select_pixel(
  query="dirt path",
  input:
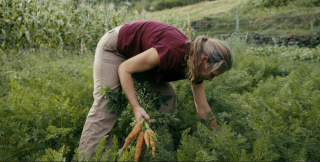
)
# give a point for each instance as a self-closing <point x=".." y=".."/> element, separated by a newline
<point x="192" y="12"/>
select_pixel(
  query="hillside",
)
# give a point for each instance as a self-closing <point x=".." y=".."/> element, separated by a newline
<point x="297" y="23"/>
<point x="191" y="12"/>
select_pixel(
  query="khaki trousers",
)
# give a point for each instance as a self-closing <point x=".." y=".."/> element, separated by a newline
<point x="105" y="72"/>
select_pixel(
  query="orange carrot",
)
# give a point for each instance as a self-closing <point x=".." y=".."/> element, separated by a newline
<point x="152" y="142"/>
<point x="146" y="138"/>
<point x="139" y="146"/>
<point x="135" y="131"/>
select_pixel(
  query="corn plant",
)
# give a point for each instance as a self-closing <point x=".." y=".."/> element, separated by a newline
<point x="55" y="24"/>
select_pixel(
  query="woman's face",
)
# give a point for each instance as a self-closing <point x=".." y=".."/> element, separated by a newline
<point x="208" y="73"/>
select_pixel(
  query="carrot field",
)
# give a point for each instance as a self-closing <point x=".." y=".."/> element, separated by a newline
<point x="267" y="106"/>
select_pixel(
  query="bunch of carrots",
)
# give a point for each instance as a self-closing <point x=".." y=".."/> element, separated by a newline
<point x="143" y="136"/>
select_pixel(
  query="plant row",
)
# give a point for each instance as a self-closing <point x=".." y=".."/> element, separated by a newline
<point x="55" y="24"/>
<point x="267" y="108"/>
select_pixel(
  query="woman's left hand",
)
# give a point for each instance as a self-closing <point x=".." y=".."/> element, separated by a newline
<point x="140" y="113"/>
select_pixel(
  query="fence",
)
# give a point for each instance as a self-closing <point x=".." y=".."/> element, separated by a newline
<point x="286" y="29"/>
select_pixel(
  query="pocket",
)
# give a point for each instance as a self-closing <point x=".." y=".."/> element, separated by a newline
<point x="110" y="44"/>
<point x="110" y="31"/>
<point x="108" y="38"/>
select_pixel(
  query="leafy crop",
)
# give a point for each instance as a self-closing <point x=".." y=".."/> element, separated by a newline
<point x="267" y="108"/>
<point x="38" y="112"/>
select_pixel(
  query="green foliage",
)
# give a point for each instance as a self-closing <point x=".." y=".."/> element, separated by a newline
<point x="102" y="153"/>
<point x="118" y="101"/>
<point x="45" y="105"/>
<point x="151" y="5"/>
<point x="163" y="143"/>
<point x="266" y="106"/>
<point x="55" y="24"/>
<point x="290" y="53"/>
<point x="268" y="17"/>
<point x="279" y="3"/>
<point x="167" y="4"/>
<point x="282" y="94"/>
<point x="268" y="3"/>
<point x="128" y="154"/>
<point x="52" y="155"/>
<point x="211" y="146"/>
<point x="263" y="149"/>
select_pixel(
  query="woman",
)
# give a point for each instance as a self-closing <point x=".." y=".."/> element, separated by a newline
<point x="155" y="52"/>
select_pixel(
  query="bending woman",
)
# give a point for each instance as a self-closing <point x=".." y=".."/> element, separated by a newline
<point x="150" y="51"/>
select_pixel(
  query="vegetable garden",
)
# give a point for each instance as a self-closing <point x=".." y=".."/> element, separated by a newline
<point x="267" y="106"/>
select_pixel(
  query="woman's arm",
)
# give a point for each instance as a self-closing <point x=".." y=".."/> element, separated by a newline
<point x="201" y="103"/>
<point x="147" y="60"/>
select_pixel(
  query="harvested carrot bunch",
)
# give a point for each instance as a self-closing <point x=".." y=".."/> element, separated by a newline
<point x="149" y="136"/>
<point x="145" y="134"/>
<point x="139" y="146"/>
<point x="135" y="131"/>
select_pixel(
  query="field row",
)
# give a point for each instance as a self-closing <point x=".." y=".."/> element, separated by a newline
<point x="267" y="108"/>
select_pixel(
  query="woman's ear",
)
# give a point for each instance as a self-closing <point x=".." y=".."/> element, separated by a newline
<point x="204" y="58"/>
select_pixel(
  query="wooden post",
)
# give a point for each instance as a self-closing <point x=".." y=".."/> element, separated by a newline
<point x="246" y="38"/>
<point x="237" y="21"/>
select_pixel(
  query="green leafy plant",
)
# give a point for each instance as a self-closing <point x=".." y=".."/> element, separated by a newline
<point x="118" y="101"/>
<point x="54" y="24"/>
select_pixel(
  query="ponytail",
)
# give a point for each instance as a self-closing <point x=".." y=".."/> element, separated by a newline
<point x="193" y="58"/>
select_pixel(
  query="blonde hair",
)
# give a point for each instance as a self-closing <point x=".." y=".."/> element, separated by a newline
<point x="219" y="55"/>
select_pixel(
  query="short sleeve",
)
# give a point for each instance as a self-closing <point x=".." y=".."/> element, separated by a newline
<point x="199" y="82"/>
<point x="170" y="57"/>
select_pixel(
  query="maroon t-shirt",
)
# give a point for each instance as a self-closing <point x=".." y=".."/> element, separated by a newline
<point x="139" y="36"/>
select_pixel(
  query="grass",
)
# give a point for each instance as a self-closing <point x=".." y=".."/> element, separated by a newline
<point x="190" y="12"/>
<point x="273" y="21"/>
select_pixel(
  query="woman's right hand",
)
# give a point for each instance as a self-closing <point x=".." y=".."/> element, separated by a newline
<point x="140" y="113"/>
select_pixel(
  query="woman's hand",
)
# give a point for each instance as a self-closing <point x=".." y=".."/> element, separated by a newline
<point x="202" y="106"/>
<point x="139" y="113"/>
<point x="206" y="114"/>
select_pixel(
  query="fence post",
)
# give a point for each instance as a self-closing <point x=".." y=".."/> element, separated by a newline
<point x="237" y="21"/>
<point x="246" y="39"/>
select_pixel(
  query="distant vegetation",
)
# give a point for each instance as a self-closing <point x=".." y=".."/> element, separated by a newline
<point x="299" y="18"/>
<point x="153" y="5"/>
<point x="258" y="4"/>
<point x="55" y="24"/>
<point x="284" y="19"/>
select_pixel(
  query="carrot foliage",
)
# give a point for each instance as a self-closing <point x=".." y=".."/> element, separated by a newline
<point x="267" y="108"/>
